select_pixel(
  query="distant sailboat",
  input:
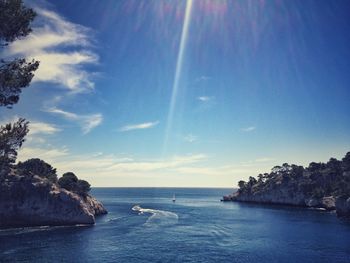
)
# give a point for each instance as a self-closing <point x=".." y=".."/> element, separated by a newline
<point x="174" y="199"/>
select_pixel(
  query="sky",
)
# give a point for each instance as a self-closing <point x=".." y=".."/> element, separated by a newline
<point x="185" y="93"/>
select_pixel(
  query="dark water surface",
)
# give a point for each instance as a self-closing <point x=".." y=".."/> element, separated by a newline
<point x="196" y="228"/>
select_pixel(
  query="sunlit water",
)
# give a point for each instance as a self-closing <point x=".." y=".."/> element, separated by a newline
<point x="144" y="225"/>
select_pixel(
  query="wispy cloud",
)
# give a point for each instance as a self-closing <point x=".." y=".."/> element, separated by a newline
<point x="47" y="154"/>
<point x="204" y="98"/>
<point x="86" y="122"/>
<point x="153" y="165"/>
<point x="205" y="103"/>
<point x="202" y="78"/>
<point x="140" y="126"/>
<point x="190" y="138"/>
<point x="48" y="43"/>
<point x="108" y="165"/>
<point x="42" y="128"/>
<point x="248" y="129"/>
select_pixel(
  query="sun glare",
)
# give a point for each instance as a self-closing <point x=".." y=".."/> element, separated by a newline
<point x="178" y="71"/>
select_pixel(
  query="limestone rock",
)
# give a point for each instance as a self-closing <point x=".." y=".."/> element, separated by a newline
<point x="343" y="207"/>
<point x="33" y="201"/>
<point x="328" y="202"/>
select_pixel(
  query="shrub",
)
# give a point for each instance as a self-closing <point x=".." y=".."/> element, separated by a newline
<point x="38" y="167"/>
<point x="70" y="182"/>
<point x="83" y="187"/>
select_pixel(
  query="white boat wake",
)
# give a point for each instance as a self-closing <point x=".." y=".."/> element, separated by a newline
<point x="158" y="217"/>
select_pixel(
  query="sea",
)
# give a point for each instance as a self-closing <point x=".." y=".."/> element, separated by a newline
<point x="145" y="225"/>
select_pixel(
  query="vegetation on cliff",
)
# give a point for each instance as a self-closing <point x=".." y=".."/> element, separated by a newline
<point x="70" y="182"/>
<point x="315" y="181"/>
<point x="11" y="138"/>
<point x="320" y="185"/>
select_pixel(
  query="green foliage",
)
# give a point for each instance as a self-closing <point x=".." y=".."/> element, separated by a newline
<point x="11" y="139"/>
<point x="15" y="20"/>
<point x="14" y="76"/>
<point x="252" y="181"/>
<point x="276" y="169"/>
<point x="313" y="167"/>
<point x="317" y="180"/>
<point x="241" y="185"/>
<point x="346" y="162"/>
<point x="83" y="187"/>
<point x="17" y="74"/>
<point x="70" y="182"/>
<point x="38" y="167"/>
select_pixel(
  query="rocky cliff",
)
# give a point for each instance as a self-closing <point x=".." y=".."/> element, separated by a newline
<point x="34" y="201"/>
<point x="340" y="204"/>
<point x="282" y="197"/>
<point x="343" y="207"/>
<point x="320" y="185"/>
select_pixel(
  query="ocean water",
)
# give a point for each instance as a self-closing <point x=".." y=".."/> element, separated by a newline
<point x="144" y="225"/>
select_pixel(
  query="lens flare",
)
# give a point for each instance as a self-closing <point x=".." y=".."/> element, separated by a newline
<point x="178" y="71"/>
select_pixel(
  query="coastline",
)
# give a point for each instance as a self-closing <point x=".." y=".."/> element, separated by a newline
<point x="341" y="206"/>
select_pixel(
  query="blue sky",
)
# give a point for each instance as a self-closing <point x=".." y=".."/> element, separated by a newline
<point x="145" y="93"/>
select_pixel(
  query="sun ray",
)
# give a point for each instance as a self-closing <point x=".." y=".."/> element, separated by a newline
<point x="178" y="71"/>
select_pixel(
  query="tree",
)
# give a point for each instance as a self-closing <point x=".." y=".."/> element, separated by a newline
<point x="241" y="184"/>
<point x="68" y="181"/>
<point x="261" y="178"/>
<point x="314" y="167"/>
<point x="276" y="169"/>
<point x="297" y="171"/>
<point x="317" y="180"/>
<point x="252" y="181"/>
<point x="346" y="162"/>
<point x="83" y="187"/>
<point x="17" y="74"/>
<point x="15" y="20"/>
<point x="38" y="167"/>
<point x="286" y="167"/>
<point x="14" y="76"/>
<point x="11" y="139"/>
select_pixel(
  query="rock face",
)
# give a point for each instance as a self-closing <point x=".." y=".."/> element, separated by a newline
<point x="329" y="203"/>
<point x="343" y="207"/>
<point x="325" y="186"/>
<point x="284" y="198"/>
<point x="276" y="197"/>
<point x="33" y="201"/>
